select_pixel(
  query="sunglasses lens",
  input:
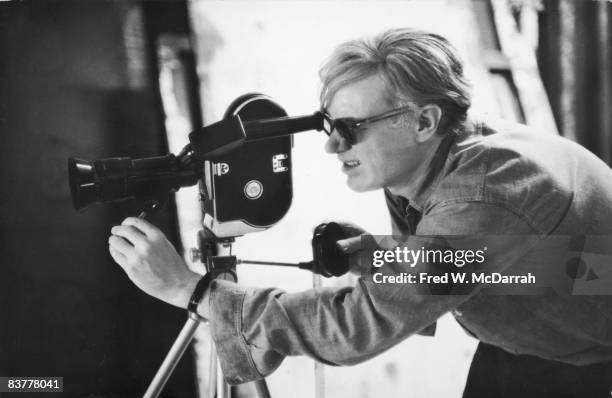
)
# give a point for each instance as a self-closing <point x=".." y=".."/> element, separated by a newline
<point x="344" y="130"/>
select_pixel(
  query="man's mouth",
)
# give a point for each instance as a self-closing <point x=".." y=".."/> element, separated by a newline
<point x="350" y="164"/>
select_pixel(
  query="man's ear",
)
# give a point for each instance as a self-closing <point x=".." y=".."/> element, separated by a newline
<point x="429" y="121"/>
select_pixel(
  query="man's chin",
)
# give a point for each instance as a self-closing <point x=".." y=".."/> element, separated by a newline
<point x="358" y="186"/>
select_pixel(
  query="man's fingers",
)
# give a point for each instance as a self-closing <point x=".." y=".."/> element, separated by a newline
<point x="120" y="244"/>
<point x="349" y="245"/>
<point x="132" y="234"/>
<point x="348" y="228"/>
<point x="358" y="251"/>
<point x="117" y="256"/>
<point x="351" y="229"/>
<point x="143" y="225"/>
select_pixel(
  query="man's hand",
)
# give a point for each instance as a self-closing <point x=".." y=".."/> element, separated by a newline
<point x="151" y="262"/>
<point x="352" y="246"/>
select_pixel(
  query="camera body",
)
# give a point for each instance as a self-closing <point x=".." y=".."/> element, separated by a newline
<point x="249" y="188"/>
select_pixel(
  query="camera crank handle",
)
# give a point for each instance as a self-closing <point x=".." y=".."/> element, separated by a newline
<point x="302" y="265"/>
<point x="328" y="259"/>
<point x="307" y="265"/>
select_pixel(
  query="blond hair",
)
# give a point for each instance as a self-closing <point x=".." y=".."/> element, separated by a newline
<point x="416" y="66"/>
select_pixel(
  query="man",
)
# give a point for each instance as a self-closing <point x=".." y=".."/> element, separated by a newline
<point x="396" y="114"/>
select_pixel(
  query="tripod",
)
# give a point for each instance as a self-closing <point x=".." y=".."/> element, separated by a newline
<point x="224" y="267"/>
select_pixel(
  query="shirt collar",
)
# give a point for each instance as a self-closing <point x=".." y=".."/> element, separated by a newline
<point x="434" y="173"/>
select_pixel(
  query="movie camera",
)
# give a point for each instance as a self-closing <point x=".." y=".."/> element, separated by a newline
<point x="243" y="166"/>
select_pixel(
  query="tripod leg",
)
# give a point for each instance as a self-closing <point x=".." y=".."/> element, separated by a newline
<point x="172" y="358"/>
<point x="223" y="389"/>
<point x="217" y="388"/>
<point x="212" y="370"/>
<point x="319" y="380"/>
<point x="262" y="389"/>
<point x="218" y="384"/>
<point x="318" y="367"/>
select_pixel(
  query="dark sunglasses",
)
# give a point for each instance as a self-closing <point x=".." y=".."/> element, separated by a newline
<point x="347" y="126"/>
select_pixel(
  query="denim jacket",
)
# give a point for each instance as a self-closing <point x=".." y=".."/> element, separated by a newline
<point x="488" y="179"/>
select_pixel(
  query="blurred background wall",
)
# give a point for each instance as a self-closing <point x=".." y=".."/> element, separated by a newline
<point x="575" y="57"/>
<point x="78" y="79"/>
<point x="132" y="78"/>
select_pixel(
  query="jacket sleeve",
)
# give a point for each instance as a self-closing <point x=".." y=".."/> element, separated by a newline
<point x="254" y="329"/>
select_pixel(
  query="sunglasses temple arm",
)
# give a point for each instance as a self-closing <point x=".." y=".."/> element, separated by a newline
<point x="278" y="127"/>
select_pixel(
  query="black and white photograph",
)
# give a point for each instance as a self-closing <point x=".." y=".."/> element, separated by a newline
<point x="306" y="198"/>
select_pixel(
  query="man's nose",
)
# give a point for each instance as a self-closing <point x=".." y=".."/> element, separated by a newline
<point x="336" y="144"/>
